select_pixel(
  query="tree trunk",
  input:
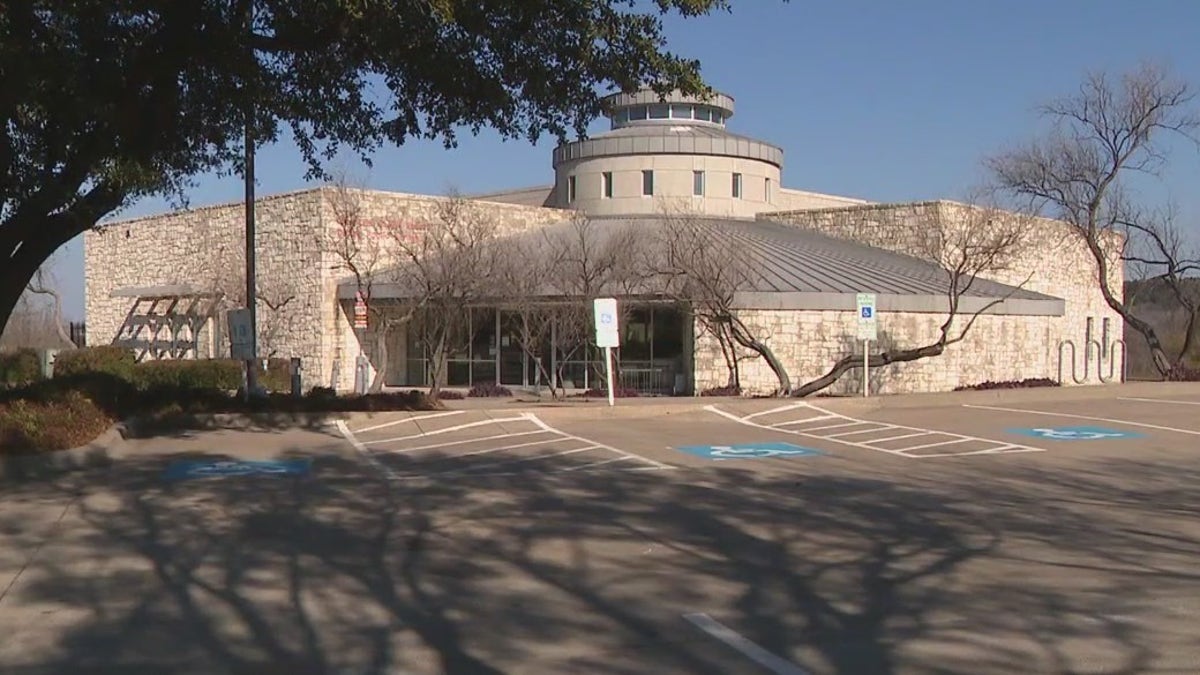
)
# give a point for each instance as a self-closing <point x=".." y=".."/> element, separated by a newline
<point x="381" y="360"/>
<point x="439" y="352"/>
<point x="855" y="361"/>
<point x="743" y="337"/>
<point x="1162" y="362"/>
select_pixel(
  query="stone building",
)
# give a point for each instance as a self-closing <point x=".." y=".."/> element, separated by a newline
<point x="161" y="284"/>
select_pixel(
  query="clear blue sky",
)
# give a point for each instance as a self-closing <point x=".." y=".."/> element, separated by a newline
<point x="876" y="99"/>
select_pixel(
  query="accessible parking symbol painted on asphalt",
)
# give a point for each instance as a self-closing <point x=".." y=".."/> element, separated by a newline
<point x="748" y="451"/>
<point x="1076" y="433"/>
<point x="187" y="470"/>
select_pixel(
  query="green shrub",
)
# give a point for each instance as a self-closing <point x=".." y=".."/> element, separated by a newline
<point x="116" y="361"/>
<point x="68" y="420"/>
<point x="189" y="374"/>
<point x="20" y="367"/>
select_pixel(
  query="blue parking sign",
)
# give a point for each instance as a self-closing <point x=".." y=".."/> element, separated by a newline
<point x="866" y="312"/>
<point x="1076" y="433"/>
<point x="748" y="451"/>
<point x="189" y="470"/>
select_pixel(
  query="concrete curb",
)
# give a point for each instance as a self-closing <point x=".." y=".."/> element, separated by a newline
<point x="141" y="427"/>
<point x="98" y="453"/>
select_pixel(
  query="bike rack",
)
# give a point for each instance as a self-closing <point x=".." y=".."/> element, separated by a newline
<point x="1112" y="362"/>
<point x="1074" y="374"/>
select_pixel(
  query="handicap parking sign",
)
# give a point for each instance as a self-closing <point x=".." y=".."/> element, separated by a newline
<point x="1076" y="433"/>
<point x="748" y="451"/>
<point x="187" y="470"/>
<point x="866" y="312"/>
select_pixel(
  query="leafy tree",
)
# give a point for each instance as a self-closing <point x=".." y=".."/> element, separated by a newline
<point x="107" y="101"/>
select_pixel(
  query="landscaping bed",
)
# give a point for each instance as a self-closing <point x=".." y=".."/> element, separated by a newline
<point x="97" y="387"/>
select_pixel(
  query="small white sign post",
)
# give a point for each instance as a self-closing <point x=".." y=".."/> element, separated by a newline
<point x="608" y="335"/>
<point x="868" y="332"/>
<point x="239" y="334"/>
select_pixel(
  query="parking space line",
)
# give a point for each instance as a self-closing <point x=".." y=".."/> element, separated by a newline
<point x="362" y="450"/>
<point x="757" y="654"/>
<point x="462" y="442"/>
<point x="1192" y="432"/>
<point x="871" y="444"/>
<point x="408" y="419"/>
<point x="447" y="430"/>
<point x="600" y="463"/>
<point x="772" y="411"/>
<point x="518" y="460"/>
<point x="934" y="445"/>
<point x="537" y="420"/>
<point x="895" y="438"/>
<point x="1157" y="400"/>
<point x="841" y="434"/>
<point x="485" y="451"/>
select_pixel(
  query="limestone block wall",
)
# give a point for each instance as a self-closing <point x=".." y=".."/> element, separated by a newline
<point x="203" y="248"/>
<point x="794" y="200"/>
<point x="1053" y="260"/>
<point x="297" y="270"/>
<point x="385" y="214"/>
<point x="808" y="343"/>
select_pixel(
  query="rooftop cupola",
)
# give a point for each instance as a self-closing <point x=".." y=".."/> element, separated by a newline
<point x="645" y="108"/>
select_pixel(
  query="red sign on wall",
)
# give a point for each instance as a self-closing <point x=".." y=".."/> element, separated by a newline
<point x="360" y="311"/>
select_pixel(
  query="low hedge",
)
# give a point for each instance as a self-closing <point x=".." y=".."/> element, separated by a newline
<point x="225" y="374"/>
<point x="69" y="411"/>
<point x="20" y="367"/>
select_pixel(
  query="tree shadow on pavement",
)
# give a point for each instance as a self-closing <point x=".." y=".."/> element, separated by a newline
<point x="342" y="572"/>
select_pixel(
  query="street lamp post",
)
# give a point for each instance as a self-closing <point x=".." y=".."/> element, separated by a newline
<point x="251" y="285"/>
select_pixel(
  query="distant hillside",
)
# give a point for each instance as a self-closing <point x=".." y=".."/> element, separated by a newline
<point x="1154" y="302"/>
<point x="1157" y="294"/>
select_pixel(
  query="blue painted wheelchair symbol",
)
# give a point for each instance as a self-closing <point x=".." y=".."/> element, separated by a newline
<point x="217" y="469"/>
<point x="748" y="451"/>
<point x="606" y="318"/>
<point x="1076" y="433"/>
<point x="866" y="312"/>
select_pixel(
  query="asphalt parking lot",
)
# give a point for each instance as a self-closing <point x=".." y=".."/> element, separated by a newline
<point x="946" y="535"/>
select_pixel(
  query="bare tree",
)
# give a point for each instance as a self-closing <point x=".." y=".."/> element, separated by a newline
<point x="42" y="284"/>
<point x="967" y="244"/>
<point x="524" y="279"/>
<point x="698" y="267"/>
<point x="1101" y="136"/>
<point x="360" y="247"/>
<point x="445" y="268"/>
<point x="220" y="271"/>
<point x="591" y="259"/>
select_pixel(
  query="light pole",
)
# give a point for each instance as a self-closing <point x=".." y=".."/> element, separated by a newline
<point x="251" y="285"/>
<point x="248" y="175"/>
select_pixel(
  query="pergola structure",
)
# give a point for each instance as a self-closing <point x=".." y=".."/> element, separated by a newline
<point x="169" y="322"/>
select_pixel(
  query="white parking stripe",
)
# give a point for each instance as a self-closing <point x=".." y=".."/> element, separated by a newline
<point x="447" y="444"/>
<point x="871" y="444"/>
<point x="1047" y="413"/>
<point x="362" y="449"/>
<point x="757" y="654"/>
<point x="518" y="460"/>
<point x="447" y="430"/>
<point x="408" y="419"/>
<point x="536" y="420"/>
<point x="1158" y="400"/>
<point x="772" y="411"/>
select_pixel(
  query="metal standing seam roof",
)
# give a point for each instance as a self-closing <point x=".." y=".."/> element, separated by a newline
<point x="793" y="268"/>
